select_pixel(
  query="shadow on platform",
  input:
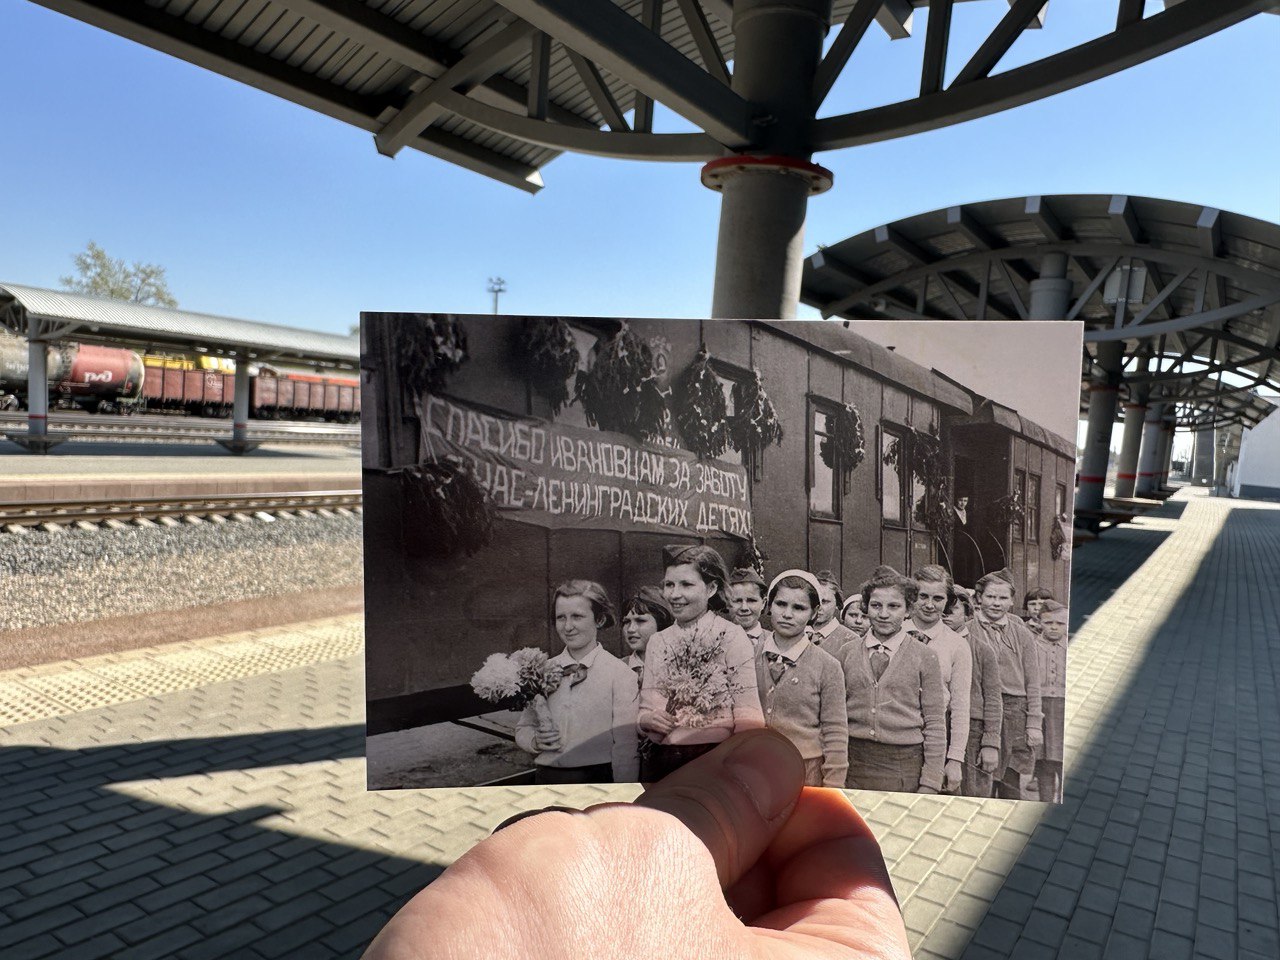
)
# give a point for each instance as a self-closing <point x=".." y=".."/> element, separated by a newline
<point x="1163" y="847"/>
<point x="173" y="883"/>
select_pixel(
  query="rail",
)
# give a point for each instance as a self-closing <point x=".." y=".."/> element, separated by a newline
<point x="62" y="513"/>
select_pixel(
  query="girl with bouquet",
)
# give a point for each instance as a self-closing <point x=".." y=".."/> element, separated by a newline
<point x="699" y="679"/>
<point x="585" y="731"/>
<point x="802" y="685"/>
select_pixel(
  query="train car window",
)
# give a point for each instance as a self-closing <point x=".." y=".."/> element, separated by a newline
<point x="728" y="376"/>
<point x="1033" y="508"/>
<point x="893" y="463"/>
<point x="1020" y="491"/>
<point x="824" y="473"/>
<point x="919" y="513"/>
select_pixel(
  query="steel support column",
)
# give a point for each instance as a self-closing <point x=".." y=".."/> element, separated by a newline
<point x="760" y="251"/>
<point x="1051" y="291"/>
<point x="37" y="388"/>
<point x="1168" y="430"/>
<point x="1104" y="392"/>
<point x="1149" y="459"/>
<point x="239" y="441"/>
<point x="1127" y="466"/>
<point x="1202" y="456"/>
<point x="240" y="406"/>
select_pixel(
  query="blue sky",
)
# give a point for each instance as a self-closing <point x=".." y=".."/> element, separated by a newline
<point x="261" y="209"/>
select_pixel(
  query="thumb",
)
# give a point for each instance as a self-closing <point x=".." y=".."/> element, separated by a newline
<point x="735" y="799"/>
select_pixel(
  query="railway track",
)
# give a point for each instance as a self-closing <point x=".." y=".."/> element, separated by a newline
<point x="174" y="429"/>
<point x="20" y="517"/>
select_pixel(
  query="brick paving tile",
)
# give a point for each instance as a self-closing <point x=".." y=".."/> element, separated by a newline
<point x="151" y="924"/>
<point x="100" y="900"/>
<point x="29" y="906"/>
<point x="1090" y="925"/>
<point x="1215" y="944"/>
<point x="295" y="940"/>
<point x="34" y="948"/>
<point x="163" y="946"/>
<point x="13" y="934"/>
<point x="232" y="942"/>
<point x="1170" y="946"/>
<point x="97" y="924"/>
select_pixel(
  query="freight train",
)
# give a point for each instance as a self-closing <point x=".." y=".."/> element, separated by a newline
<point x="115" y="380"/>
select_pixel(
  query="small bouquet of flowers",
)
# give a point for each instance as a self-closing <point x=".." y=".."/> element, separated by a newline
<point x="698" y="684"/>
<point x="523" y="678"/>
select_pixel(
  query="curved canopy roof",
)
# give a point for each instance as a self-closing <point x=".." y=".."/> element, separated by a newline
<point x="1192" y="292"/>
<point x="56" y="314"/>
<point x="501" y="88"/>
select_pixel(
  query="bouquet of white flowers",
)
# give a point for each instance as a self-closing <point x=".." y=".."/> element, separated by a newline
<point x="698" y="682"/>
<point x="523" y="678"/>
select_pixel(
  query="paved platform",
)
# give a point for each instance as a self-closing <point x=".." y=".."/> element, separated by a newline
<point x="118" y="470"/>
<point x="222" y="814"/>
<point x="130" y="460"/>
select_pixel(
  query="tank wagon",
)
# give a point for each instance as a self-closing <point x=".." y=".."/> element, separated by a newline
<point x="98" y="379"/>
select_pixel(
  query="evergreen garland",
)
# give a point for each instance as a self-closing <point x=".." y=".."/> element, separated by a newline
<point x="1009" y="510"/>
<point x="845" y="442"/>
<point x="1058" y="538"/>
<point x="933" y="510"/>
<point x="446" y="511"/>
<point x="620" y="392"/>
<point x="548" y="355"/>
<point x="754" y="424"/>
<point x="430" y="350"/>
<point x="701" y="411"/>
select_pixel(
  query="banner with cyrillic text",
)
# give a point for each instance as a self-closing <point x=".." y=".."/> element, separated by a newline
<point x="561" y="476"/>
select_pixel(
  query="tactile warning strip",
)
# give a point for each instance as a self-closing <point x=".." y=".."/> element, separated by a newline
<point x="55" y="690"/>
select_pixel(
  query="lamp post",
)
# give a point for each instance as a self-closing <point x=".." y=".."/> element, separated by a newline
<point x="497" y="286"/>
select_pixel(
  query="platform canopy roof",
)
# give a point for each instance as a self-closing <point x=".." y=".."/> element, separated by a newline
<point x="57" y="314"/>
<point x="1193" y="292"/>
<point x="502" y="88"/>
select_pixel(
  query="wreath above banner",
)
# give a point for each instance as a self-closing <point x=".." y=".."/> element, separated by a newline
<point x="546" y="351"/>
<point x="701" y="411"/>
<point x="754" y="424"/>
<point x="430" y="350"/>
<point x="620" y="392"/>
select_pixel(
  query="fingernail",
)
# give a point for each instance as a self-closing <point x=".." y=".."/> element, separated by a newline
<point x="525" y="814"/>
<point x="768" y="769"/>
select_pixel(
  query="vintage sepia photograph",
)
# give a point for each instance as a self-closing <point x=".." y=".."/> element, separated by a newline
<point x="595" y="548"/>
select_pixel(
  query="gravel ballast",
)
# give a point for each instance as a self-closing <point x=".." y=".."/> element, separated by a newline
<point x="74" y="576"/>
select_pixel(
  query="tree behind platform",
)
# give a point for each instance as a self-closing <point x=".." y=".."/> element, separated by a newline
<point x="100" y="275"/>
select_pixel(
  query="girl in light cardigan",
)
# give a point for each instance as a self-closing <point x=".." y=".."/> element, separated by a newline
<point x="801" y="685"/>
<point x="592" y="737"/>
<point x="894" y="696"/>
<point x="694" y="587"/>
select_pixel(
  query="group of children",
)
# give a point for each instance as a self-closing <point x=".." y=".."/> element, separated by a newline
<point x="908" y="684"/>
